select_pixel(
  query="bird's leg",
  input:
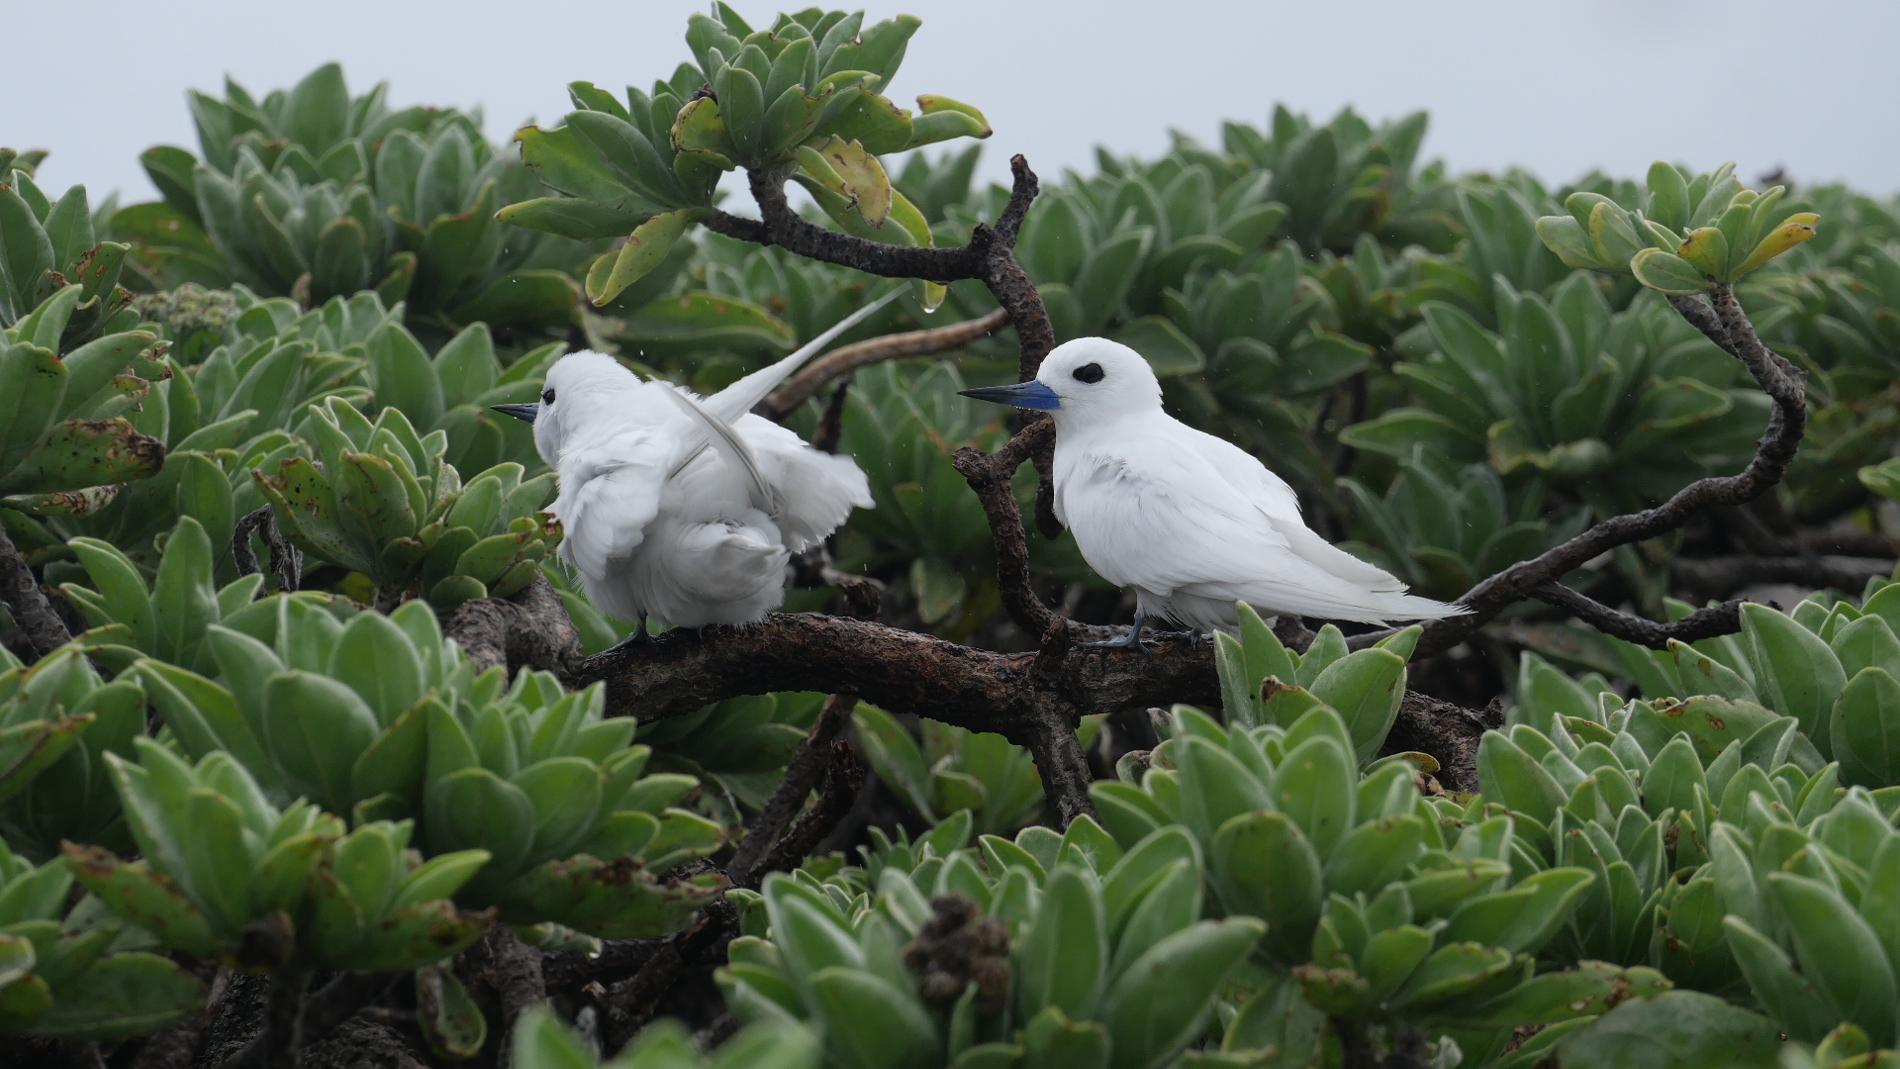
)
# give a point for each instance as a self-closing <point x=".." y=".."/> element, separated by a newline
<point x="640" y="635"/>
<point x="1132" y="640"/>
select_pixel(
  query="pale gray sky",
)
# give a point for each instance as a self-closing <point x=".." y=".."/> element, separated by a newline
<point x="1557" y="87"/>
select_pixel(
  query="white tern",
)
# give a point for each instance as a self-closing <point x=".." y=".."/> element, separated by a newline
<point x="684" y="508"/>
<point x="1192" y="523"/>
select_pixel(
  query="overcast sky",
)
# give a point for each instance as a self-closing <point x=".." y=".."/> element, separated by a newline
<point x="1556" y="87"/>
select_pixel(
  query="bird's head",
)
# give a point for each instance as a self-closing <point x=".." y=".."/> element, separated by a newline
<point x="1085" y="380"/>
<point x="580" y="389"/>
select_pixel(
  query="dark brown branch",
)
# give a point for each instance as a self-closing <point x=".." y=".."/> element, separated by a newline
<point x="32" y="613"/>
<point x="323" y="1012"/>
<point x="530" y="630"/>
<point x="518" y="984"/>
<point x="843" y="361"/>
<point x="631" y="1003"/>
<point x="1723" y="619"/>
<point x="830" y="429"/>
<point x="1449" y="733"/>
<point x="286" y="562"/>
<point x="991" y="476"/>
<point x="811" y="761"/>
<point x="837" y="792"/>
<point x="1722" y="320"/>
<point x="1032" y="699"/>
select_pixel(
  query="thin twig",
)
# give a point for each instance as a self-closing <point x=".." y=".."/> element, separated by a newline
<point x="991" y="476"/>
<point x="1723" y="619"/>
<point x="837" y="791"/>
<point x="801" y="774"/>
<point x="843" y="361"/>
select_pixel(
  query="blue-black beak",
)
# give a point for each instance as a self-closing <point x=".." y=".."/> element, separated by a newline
<point x="1030" y="394"/>
<point x="525" y="412"/>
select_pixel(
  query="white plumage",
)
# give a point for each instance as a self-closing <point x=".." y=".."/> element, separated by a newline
<point x="683" y="508"/>
<point x="1192" y="524"/>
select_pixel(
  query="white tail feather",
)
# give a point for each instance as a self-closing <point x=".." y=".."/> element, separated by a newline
<point x="745" y="394"/>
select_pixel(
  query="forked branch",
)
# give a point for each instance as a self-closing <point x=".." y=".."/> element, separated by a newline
<point x="1722" y="320"/>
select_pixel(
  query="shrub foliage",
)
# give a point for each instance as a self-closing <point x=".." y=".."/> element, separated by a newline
<point x="302" y="758"/>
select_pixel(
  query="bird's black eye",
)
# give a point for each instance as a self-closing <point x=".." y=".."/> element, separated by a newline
<point x="1089" y="373"/>
<point x="547" y="396"/>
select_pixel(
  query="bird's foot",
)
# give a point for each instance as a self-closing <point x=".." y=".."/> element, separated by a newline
<point x="1130" y="641"/>
<point x="640" y="637"/>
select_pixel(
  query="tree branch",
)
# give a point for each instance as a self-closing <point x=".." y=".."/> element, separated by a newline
<point x="814" y="756"/>
<point x="286" y="563"/>
<point x="322" y="1012"/>
<point x="32" y="613"/>
<point x="837" y="791"/>
<point x="1723" y="619"/>
<point x="530" y="630"/>
<point x="1723" y="321"/>
<point x="992" y="476"/>
<point x="518" y="984"/>
<point x="843" y="361"/>
<point x="1032" y="699"/>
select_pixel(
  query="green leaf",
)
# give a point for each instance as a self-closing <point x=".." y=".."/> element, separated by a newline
<point x="1667" y="272"/>
<point x="117" y="997"/>
<point x="1522" y="919"/>
<point x="1673" y="1029"/>
<point x="374" y="658"/>
<point x="1168" y="350"/>
<point x="1315" y="786"/>
<point x="450" y="1020"/>
<point x="1365" y="687"/>
<point x="1260" y="864"/>
<point x="1163" y="1001"/>
<point x="1062" y="960"/>
<point x="1840" y="953"/>
<point x="78" y="453"/>
<point x="1107" y="275"/>
<point x="646" y="247"/>
<point x="314" y="728"/>
<point x="1796" y="673"/>
<point x="1864" y="727"/>
<point x="847" y="1000"/>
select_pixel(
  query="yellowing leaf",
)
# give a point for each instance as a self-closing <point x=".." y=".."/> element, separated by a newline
<point x="1793" y="230"/>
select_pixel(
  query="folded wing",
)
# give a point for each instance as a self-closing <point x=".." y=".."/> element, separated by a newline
<point x="1174" y="516"/>
<point x="610" y="494"/>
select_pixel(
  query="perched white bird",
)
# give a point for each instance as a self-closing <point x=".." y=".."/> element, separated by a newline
<point x="679" y="507"/>
<point x="1191" y="523"/>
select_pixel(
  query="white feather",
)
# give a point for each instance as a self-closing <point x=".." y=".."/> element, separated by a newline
<point x="683" y="508"/>
<point x="1192" y="523"/>
<point x="745" y="394"/>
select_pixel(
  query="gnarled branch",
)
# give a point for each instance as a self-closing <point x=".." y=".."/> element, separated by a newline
<point x="1723" y="619"/>
<point x="530" y="630"/>
<point x="1722" y="320"/>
